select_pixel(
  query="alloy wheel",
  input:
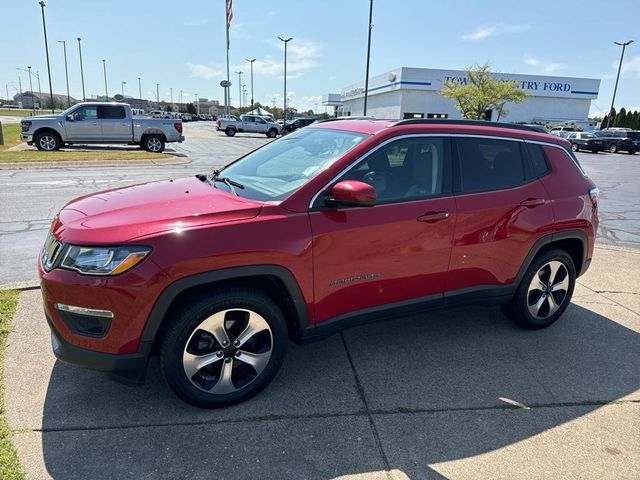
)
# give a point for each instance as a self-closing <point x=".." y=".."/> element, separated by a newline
<point x="227" y="351"/>
<point x="47" y="142"/>
<point x="548" y="289"/>
<point x="154" y="145"/>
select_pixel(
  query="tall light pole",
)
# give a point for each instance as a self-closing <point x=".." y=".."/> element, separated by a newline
<point x="106" y="90"/>
<point x="28" y="70"/>
<point x="285" y="40"/>
<point x="6" y="86"/>
<point x="66" y="71"/>
<point x="180" y="102"/>
<point x="37" y="74"/>
<point x="21" y="94"/>
<point x="158" y="94"/>
<point x="140" y="90"/>
<point x="240" y="90"/>
<point x="197" y="104"/>
<point x="251" y="60"/>
<point x="244" y="95"/>
<point x="366" y="76"/>
<point x="84" y="96"/>
<point x="171" y="90"/>
<point x="46" y="49"/>
<point x="122" y="84"/>
<point x="615" y="89"/>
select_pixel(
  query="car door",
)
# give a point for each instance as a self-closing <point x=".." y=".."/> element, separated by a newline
<point x="83" y="125"/>
<point x="116" y="127"/>
<point x="502" y="208"/>
<point x="396" y="251"/>
<point x="261" y="125"/>
<point x="248" y="124"/>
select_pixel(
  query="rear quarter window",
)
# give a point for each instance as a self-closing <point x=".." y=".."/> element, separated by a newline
<point x="538" y="159"/>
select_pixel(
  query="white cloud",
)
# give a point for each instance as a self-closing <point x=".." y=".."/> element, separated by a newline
<point x="313" y="98"/>
<point x="206" y="72"/>
<point x="542" y="66"/>
<point x="630" y="68"/>
<point x="485" y="31"/>
<point x="302" y="55"/>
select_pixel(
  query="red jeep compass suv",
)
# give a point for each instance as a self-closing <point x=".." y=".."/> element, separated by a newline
<point x="331" y="226"/>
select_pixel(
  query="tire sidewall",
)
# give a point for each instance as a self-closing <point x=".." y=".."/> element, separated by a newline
<point x="520" y="305"/>
<point x="174" y="342"/>
<point x="230" y="131"/>
<point x="148" y="139"/>
<point x="272" y="133"/>
<point x="54" y="136"/>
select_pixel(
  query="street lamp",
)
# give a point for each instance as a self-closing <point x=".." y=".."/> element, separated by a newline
<point x="28" y="70"/>
<point x="84" y="96"/>
<point x="46" y="49"/>
<point x="122" y="84"/>
<point x="240" y="91"/>
<point x="285" y="40"/>
<point x="366" y="77"/>
<point x="158" y="94"/>
<point x="615" y="89"/>
<point x="6" y="86"/>
<point x="106" y="90"/>
<point x="140" y="89"/>
<point x="251" y="60"/>
<point x="66" y="71"/>
<point x="197" y="104"/>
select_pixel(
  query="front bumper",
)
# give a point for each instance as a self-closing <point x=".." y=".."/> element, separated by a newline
<point x="27" y="137"/>
<point x="129" y="368"/>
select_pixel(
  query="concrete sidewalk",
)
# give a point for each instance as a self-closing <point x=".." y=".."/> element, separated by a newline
<point x="450" y="394"/>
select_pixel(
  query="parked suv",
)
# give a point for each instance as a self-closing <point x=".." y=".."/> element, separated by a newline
<point x="334" y="225"/>
<point x="586" y="141"/>
<point x="620" y="140"/>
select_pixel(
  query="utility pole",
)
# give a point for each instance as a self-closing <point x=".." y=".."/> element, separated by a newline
<point x="171" y="90"/>
<point x="84" y="96"/>
<point x="122" y="84"/>
<point x="66" y="70"/>
<point x="285" y="40"/>
<point x="615" y="89"/>
<point x="106" y="90"/>
<point x="240" y="91"/>
<point x="140" y="90"/>
<point x="366" y="77"/>
<point x="21" y="95"/>
<point x="158" y="94"/>
<point x="251" y="60"/>
<point x="197" y="104"/>
<point x="46" y="49"/>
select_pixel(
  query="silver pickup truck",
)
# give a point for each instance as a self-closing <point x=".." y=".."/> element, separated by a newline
<point x="98" y="122"/>
<point x="248" y="124"/>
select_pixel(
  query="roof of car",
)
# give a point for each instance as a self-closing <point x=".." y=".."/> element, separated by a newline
<point x="373" y="126"/>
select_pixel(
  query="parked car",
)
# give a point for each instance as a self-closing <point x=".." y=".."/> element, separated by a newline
<point x="334" y="225"/>
<point x="586" y="141"/>
<point x="159" y="114"/>
<point x="186" y="117"/>
<point x="566" y="128"/>
<point x="293" y="125"/>
<point x="620" y="140"/>
<point x="96" y="122"/>
<point x="248" y="124"/>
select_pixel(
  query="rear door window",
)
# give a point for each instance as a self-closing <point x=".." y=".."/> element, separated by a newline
<point x="489" y="164"/>
<point x="112" y="112"/>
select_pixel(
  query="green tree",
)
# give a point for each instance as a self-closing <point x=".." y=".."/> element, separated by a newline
<point x="168" y="108"/>
<point x="604" y="123"/>
<point x="636" y="120"/>
<point x="191" y="108"/>
<point x="621" y="118"/>
<point x="481" y="92"/>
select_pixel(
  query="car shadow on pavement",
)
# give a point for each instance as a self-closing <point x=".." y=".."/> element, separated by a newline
<point x="392" y="396"/>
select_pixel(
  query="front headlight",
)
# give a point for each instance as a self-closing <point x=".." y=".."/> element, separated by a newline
<point x="26" y="126"/>
<point x="103" y="260"/>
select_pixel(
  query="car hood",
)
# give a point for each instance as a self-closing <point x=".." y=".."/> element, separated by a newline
<point x="128" y="213"/>
<point x="42" y="117"/>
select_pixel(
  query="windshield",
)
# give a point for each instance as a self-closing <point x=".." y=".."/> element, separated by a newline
<point x="272" y="172"/>
<point x="588" y="135"/>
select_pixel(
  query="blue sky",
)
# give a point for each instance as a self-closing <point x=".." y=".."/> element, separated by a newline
<point x="181" y="44"/>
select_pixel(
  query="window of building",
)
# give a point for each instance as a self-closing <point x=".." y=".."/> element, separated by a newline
<point x="488" y="164"/>
<point x="437" y="115"/>
<point x="408" y="115"/>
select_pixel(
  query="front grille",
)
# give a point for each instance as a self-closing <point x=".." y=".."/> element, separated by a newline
<point x="50" y="252"/>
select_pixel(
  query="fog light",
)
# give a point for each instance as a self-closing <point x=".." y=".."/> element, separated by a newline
<point x="90" y="312"/>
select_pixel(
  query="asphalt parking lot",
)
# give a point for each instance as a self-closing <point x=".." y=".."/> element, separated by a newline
<point x="449" y="394"/>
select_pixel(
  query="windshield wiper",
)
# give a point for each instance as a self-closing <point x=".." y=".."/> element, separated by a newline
<point x="214" y="177"/>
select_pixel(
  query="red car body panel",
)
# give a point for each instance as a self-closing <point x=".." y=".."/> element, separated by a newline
<point x="343" y="261"/>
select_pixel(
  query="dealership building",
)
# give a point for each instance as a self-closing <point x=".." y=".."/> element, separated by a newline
<point x="408" y="92"/>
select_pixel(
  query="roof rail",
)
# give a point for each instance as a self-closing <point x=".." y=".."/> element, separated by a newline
<point x="348" y="117"/>
<point x="476" y="123"/>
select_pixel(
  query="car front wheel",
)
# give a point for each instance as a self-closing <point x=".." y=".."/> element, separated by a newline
<point x="225" y="348"/>
<point x="613" y="148"/>
<point x="230" y="131"/>
<point x="272" y="133"/>
<point x="47" y="141"/>
<point x="544" y="292"/>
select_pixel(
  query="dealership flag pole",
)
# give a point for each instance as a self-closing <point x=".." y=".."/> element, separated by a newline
<point x="366" y="77"/>
<point x="227" y="91"/>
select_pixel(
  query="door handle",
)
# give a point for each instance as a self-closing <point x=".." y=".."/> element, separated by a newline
<point x="533" y="202"/>
<point x="432" y="217"/>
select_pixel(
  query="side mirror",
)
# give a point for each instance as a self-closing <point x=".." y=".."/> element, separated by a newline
<point x="71" y="118"/>
<point x="353" y="193"/>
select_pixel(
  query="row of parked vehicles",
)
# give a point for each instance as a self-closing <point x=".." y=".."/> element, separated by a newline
<point x="185" y="117"/>
<point x="610" y="139"/>
<point x="267" y="125"/>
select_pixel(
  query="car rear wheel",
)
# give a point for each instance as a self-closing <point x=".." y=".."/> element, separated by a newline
<point x="574" y="147"/>
<point x="230" y="131"/>
<point x="631" y="152"/>
<point x="594" y="151"/>
<point x="613" y="148"/>
<point x="153" y="143"/>
<point x="272" y="133"/>
<point x="225" y="348"/>
<point x="47" y="141"/>
<point x="544" y="292"/>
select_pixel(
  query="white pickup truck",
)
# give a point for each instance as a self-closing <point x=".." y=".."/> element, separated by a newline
<point x="100" y="122"/>
<point x="248" y="124"/>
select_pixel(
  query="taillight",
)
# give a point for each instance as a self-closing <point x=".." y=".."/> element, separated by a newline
<point x="594" y="193"/>
<point x="178" y="126"/>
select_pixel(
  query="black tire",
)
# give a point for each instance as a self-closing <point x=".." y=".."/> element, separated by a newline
<point x="632" y="152"/>
<point x="575" y="147"/>
<point x="272" y="133"/>
<point x="230" y="131"/>
<point x="184" y="326"/>
<point x="594" y="151"/>
<point x="518" y="309"/>
<point x="153" y="143"/>
<point x="613" y="148"/>
<point x="47" y="141"/>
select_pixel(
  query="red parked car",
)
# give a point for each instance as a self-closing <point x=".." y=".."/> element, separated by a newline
<point x="332" y="226"/>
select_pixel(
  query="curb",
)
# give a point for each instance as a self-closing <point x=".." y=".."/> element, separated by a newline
<point x="173" y="160"/>
<point x="24" y="285"/>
